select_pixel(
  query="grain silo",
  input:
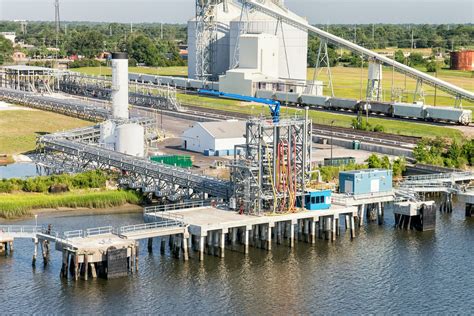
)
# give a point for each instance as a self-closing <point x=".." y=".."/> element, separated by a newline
<point x="223" y="15"/>
<point x="293" y="46"/>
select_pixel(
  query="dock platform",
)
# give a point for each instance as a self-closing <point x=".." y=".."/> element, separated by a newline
<point x="211" y="228"/>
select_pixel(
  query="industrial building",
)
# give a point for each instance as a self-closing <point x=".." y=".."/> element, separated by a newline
<point x="214" y="39"/>
<point x="214" y="137"/>
<point x="365" y="181"/>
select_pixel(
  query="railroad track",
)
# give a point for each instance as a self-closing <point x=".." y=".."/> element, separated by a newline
<point x="377" y="137"/>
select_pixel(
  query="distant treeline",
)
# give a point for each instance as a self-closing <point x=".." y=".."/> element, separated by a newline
<point x="154" y="44"/>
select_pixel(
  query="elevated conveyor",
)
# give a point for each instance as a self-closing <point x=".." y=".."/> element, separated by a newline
<point x="422" y="77"/>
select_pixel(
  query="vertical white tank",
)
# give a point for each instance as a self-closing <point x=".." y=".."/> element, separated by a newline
<point x="107" y="134"/>
<point x="120" y="85"/>
<point x="130" y="139"/>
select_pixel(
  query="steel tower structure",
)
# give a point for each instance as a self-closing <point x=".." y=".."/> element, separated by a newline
<point x="57" y="21"/>
<point x="206" y="36"/>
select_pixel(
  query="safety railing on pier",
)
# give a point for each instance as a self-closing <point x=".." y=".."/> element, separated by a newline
<point x="90" y="232"/>
<point x="172" y="221"/>
<point x="106" y="230"/>
<point x="23" y="230"/>
<point x="439" y="177"/>
<point x="177" y="206"/>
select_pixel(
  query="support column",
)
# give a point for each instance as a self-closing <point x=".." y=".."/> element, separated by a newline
<point x="313" y="230"/>
<point x="86" y="266"/>
<point x="185" y="248"/>
<point x="35" y="253"/>
<point x="163" y="245"/>
<point x="201" y="247"/>
<point x="136" y="257"/>
<point x="292" y="234"/>
<point x="380" y="213"/>
<point x="269" y="236"/>
<point x="150" y="245"/>
<point x="222" y="244"/>
<point x="334" y="228"/>
<point x="362" y="214"/>
<point x="352" y="224"/>
<point x="246" y="239"/>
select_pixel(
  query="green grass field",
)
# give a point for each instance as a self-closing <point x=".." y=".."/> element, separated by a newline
<point x="19" y="128"/>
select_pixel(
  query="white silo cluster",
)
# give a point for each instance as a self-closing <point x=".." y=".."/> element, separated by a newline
<point x="292" y="41"/>
<point x="119" y="134"/>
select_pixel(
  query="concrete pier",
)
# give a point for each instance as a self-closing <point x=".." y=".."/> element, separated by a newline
<point x="467" y="200"/>
<point x="218" y="229"/>
<point x="415" y="215"/>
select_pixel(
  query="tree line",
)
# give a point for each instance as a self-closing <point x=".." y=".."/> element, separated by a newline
<point x="154" y="44"/>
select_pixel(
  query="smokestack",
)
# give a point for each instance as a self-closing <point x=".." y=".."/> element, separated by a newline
<point x="120" y="86"/>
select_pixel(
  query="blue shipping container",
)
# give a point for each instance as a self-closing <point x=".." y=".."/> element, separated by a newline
<point x="365" y="181"/>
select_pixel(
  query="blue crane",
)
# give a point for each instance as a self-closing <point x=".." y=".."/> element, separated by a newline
<point x="273" y="104"/>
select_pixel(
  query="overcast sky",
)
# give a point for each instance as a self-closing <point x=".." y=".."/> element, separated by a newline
<point x="178" y="11"/>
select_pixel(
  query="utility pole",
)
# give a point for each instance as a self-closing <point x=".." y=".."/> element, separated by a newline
<point x="355" y="34"/>
<point x="412" y="41"/>
<point x="57" y="21"/>
<point x="161" y="31"/>
<point x="373" y="32"/>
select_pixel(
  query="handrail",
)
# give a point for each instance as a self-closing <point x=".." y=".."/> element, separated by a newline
<point x="18" y="229"/>
<point x="177" y="206"/>
<point x="149" y="226"/>
<point x="79" y="233"/>
<point x="96" y="231"/>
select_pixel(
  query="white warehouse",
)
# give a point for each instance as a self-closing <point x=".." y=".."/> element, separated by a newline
<point x="214" y="136"/>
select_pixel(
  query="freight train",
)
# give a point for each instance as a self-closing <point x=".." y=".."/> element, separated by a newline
<point x="396" y="109"/>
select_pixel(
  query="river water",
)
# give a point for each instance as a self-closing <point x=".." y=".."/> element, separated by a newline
<point x="384" y="270"/>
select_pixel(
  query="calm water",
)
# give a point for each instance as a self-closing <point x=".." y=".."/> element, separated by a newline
<point x="18" y="170"/>
<point x="382" y="271"/>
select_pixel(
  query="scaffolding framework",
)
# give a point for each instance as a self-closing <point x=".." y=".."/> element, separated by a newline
<point x="271" y="170"/>
<point x="206" y="37"/>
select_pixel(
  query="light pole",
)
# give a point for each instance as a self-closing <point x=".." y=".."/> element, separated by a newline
<point x="36" y="220"/>
<point x="332" y="134"/>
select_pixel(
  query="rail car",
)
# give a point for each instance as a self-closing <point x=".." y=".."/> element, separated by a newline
<point x="397" y="109"/>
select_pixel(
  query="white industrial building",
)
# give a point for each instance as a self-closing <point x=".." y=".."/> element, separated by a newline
<point x="292" y="42"/>
<point x="214" y="136"/>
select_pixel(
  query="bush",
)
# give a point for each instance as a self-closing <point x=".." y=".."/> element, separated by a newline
<point x="86" y="63"/>
<point x="88" y="180"/>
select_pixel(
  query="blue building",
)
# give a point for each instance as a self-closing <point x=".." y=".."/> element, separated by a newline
<point x="317" y="200"/>
<point x="365" y="181"/>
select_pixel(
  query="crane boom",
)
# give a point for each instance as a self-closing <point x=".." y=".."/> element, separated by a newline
<point x="409" y="71"/>
<point x="274" y="105"/>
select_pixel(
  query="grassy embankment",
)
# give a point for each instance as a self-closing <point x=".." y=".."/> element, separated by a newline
<point x="18" y="197"/>
<point x="16" y="205"/>
<point x="346" y="84"/>
<point x="19" y="128"/>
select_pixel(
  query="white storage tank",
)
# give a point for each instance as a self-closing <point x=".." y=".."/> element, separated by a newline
<point x="120" y="85"/>
<point x="107" y="134"/>
<point x="130" y="139"/>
